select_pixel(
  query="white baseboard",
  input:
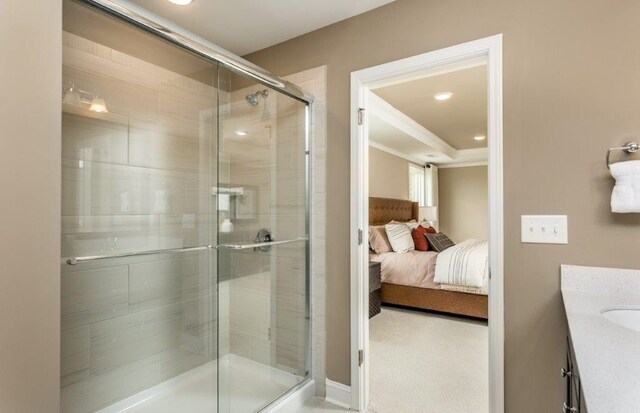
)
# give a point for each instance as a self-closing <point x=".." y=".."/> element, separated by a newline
<point x="338" y="394"/>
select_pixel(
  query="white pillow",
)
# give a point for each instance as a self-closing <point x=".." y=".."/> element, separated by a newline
<point x="399" y="237"/>
<point x="413" y="224"/>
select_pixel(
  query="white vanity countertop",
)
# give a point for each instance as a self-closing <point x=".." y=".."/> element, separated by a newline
<point x="607" y="355"/>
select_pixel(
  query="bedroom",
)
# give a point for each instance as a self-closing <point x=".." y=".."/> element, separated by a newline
<point x="428" y="239"/>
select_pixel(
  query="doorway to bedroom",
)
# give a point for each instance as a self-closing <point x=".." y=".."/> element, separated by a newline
<point x="426" y="194"/>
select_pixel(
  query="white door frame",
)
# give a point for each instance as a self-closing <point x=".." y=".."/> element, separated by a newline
<point x="484" y="51"/>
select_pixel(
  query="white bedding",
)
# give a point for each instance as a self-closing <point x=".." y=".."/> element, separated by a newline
<point x="463" y="265"/>
<point x="413" y="268"/>
<point x="484" y="290"/>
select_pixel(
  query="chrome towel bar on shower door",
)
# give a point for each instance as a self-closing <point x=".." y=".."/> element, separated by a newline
<point x="260" y="244"/>
<point x="76" y="260"/>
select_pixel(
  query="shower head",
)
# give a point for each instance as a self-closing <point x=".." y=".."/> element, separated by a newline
<point x="253" y="100"/>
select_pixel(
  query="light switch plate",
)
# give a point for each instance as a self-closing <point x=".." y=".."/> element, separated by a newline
<point x="544" y="229"/>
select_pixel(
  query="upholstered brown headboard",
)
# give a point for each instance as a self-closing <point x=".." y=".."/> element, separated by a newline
<point x="383" y="210"/>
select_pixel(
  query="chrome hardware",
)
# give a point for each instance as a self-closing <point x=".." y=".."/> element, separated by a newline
<point x="168" y="31"/>
<point x="360" y="357"/>
<point x="566" y="408"/>
<point x="259" y="244"/>
<point x="565" y="373"/>
<point x="253" y="100"/>
<point x="629" y="147"/>
<point x="77" y="260"/>
<point x="359" y="236"/>
<point x="361" y="116"/>
<point x="264" y="237"/>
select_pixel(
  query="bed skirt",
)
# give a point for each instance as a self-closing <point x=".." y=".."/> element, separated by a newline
<point x="452" y="302"/>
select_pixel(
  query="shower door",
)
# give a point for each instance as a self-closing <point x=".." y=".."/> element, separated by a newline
<point x="185" y="273"/>
<point x="139" y="125"/>
<point x="262" y="205"/>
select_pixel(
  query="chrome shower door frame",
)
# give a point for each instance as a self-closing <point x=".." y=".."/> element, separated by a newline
<point x="163" y="28"/>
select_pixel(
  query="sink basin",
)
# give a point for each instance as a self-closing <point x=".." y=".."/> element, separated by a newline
<point x="628" y="317"/>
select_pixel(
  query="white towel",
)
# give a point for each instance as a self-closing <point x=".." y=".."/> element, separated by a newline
<point x="626" y="193"/>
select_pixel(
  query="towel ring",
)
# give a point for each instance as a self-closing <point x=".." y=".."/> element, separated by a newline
<point x="629" y="147"/>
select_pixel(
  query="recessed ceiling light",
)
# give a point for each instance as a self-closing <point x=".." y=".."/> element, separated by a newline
<point x="479" y="137"/>
<point x="442" y="95"/>
<point x="181" y="2"/>
<point x="242" y="133"/>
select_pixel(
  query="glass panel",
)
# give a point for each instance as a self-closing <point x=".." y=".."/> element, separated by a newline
<point x="139" y="126"/>
<point x="263" y="292"/>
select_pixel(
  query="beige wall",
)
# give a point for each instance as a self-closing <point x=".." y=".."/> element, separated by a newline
<point x="388" y="175"/>
<point x="463" y="203"/>
<point x="30" y="45"/>
<point x="570" y="76"/>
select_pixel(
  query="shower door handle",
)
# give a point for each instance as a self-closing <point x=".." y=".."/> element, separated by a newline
<point x="264" y="236"/>
<point x="77" y="260"/>
<point x="260" y="244"/>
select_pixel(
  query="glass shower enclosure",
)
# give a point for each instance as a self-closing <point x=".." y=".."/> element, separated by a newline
<point x="185" y="221"/>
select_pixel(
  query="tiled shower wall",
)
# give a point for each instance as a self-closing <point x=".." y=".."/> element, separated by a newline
<point x="139" y="178"/>
<point x="135" y="179"/>
<point x="314" y="81"/>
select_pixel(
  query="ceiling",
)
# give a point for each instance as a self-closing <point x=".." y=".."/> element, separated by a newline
<point x="456" y="120"/>
<point x="386" y="135"/>
<point x="244" y="26"/>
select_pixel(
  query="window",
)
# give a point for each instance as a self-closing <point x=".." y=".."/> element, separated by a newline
<point x="417" y="184"/>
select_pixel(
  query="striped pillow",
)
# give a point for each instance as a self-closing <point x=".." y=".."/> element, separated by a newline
<point x="399" y="236"/>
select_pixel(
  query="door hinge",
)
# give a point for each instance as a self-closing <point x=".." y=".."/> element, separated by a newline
<point x="359" y="236"/>
<point x="360" y="357"/>
<point x="360" y="116"/>
<point x="489" y="272"/>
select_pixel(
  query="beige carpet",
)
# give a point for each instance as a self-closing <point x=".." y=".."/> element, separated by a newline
<point x="427" y="363"/>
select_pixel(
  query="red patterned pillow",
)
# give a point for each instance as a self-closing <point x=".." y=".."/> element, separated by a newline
<point x="419" y="238"/>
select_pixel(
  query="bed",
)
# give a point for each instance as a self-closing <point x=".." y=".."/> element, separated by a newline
<point x="408" y="279"/>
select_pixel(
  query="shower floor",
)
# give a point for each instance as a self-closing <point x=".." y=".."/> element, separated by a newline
<point x="252" y="384"/>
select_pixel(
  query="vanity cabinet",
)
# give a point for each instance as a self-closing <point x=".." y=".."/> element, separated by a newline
<point x="574" y="400"/>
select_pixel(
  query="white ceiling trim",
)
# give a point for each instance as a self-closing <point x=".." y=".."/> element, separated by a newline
<point x="399" y="154"/>
<point x="462" y="164"/>
<point x="464" y="157"/>
<point x="471" y="155"/>
<point x="386" y="112"/>
<point x="403" y="75"/>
